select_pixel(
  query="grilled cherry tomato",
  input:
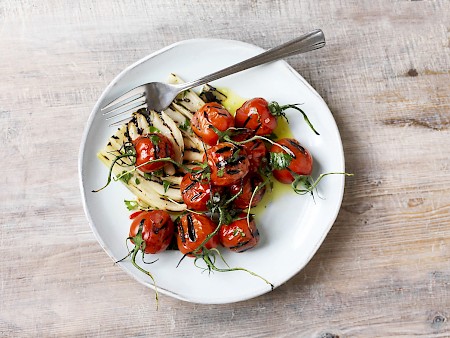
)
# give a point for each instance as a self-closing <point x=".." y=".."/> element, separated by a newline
<point x="242" y="134"/>
<point x="301" y="162"/>
<point x="151" y="147"/>
<point x="193" y="230"/>
<point x="248" y="185"/>
<point x="157" y="230"/>
<point x="134" y="214"/>
<point x="196" y="191"/>
<point x="239" y="235"/>
<point x="255" y="115"/>
<point x="211" y="114"/>
<point x="228" y="163"/>
<point x="256" y="151"/>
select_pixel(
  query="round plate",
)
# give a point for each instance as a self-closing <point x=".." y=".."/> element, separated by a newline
<point x="292" y="227"/>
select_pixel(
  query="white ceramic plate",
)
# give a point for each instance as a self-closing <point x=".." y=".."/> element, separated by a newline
<point x="292" y="227"/>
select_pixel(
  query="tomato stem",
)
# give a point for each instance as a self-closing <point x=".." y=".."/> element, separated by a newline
<point x="308" y="183"/>
<point x="278" y="110"/>
<point x="211" y="235"/>
<point x="165" y="159"/>
<point x="257" y="137"/>
<point x="118" y="157"/>
<point x="139" y="245"/>
<point x="258" y="187"/>
<point x="133" y="261"/>
<point x="209" y="258"/>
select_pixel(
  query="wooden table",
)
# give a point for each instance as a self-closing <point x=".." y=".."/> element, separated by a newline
<point x="383" y="270"/>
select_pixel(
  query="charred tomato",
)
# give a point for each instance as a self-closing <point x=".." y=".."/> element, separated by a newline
<point x="196" y="191"/>
<point x="239" y="235"/>
<point x="245" y="189"/>
<point x="255" y="114"/>
<point x="228" y="163"/>
<point x="193" y="229"/>
<point x="257" y="152"/>
<point x="300" y="164"/>
<point x="152" y="147"/>
<point x="212" y="114"/>
<point x="157" y="230"/>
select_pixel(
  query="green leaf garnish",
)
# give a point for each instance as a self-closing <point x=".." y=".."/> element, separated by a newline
<point x="234" y="157"/>
<point x="206" y="175"/>
<point x="239" y="231"/>
<point x="137" y="181"/>
<point x="221" y="172"/>
<point x="125" y="176"/>
<point x="131" y="205"/>
<point x="153" y="129"/>
<point x="166" y="185"/>
<point x="305" y="184"/>
<point x="139" y="245"/>
<point x="186" y="125"/>
<point x="277" y="110"/>
<point x="279" y="161"/>
<point x="154" y="139"/>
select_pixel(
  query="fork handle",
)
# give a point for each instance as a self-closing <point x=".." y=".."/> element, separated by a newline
<point x="305" y="43"/>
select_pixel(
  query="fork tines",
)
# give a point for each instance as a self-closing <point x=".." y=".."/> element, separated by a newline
<point x="124" y="106"/>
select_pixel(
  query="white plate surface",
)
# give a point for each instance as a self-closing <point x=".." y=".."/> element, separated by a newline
<point x="292" y="227"/>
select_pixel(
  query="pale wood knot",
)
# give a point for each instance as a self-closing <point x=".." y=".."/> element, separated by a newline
<point x="412" y="72"/>
<point x="328" y="335"/>
<point x="439" y="319"/>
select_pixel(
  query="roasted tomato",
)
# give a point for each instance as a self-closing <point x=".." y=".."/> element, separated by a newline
<point x="228" y="163"/>
<point x="256" y="152"/>
<point x="151" y="147"/>
<point x="239" y="235"/>
<point x="196" y="191"/>
<point x="301" y="162"/>
<point x="255" y="115"/>
<point x="157" y="230"/>
<point x="242" y="134"/>
<point x="211" y="114"/>
<point x="193" y="230"/>
<point x="248" y="185"/>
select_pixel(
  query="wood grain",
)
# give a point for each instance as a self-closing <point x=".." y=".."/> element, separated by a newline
<point x="384" y="268"/>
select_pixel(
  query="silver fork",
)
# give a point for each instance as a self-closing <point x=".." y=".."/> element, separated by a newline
<point x="158" y="95"/>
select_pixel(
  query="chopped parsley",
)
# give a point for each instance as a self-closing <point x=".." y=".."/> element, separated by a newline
<point x="154" y="139"/>
<point x="186" y="125"/>
<point x="166" y="185"/>
<point x="221" y="172"/>
<point x="279" y="161"/>
<point x="125" y="176"/>
<point x="131" y="205"/>
<point x="238" y="231"/>
<point x="153" y="129"/>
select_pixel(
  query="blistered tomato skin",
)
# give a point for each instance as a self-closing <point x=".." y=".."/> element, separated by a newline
<point x="255" y="115"/>
<point x="239" y="236"/>
<point x="256" y="151"/>
<point x="196" y="191"/>
<point x="301" y="163"/>
<point x="245" y="189"/>
<point x="193" y="230"/>
<point x="151" y="147"/>
<point x="211" y="114"/>
<point x="228" y="163"/>
<point x="157" y="230"/>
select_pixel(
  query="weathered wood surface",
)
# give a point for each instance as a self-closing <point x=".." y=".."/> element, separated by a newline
<point x="384" y="269"/>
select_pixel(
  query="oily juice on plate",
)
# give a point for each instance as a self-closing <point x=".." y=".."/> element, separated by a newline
<point x="233" y="102"/>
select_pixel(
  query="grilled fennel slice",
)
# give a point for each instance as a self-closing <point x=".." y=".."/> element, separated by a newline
<point x="161" y="190"/>
<point x="149" y="190"/>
